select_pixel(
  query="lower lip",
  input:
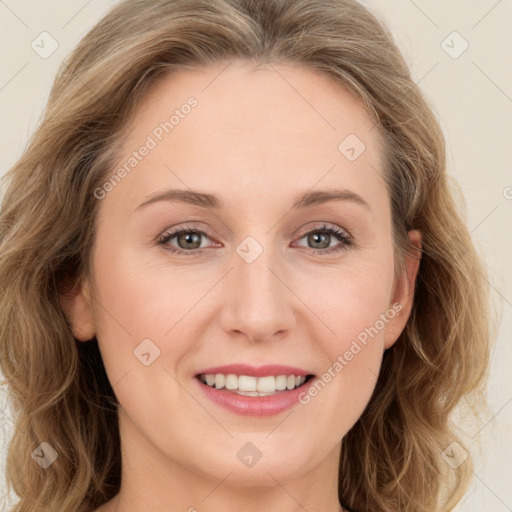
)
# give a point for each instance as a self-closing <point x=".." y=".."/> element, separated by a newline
<point x="255" y="405"/>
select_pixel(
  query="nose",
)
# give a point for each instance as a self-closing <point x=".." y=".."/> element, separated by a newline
<point x="258" y="301"/>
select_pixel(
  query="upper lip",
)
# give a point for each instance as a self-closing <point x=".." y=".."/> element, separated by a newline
<point x="253" y="371"/>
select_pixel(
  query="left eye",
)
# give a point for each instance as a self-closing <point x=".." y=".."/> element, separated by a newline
<point x="189" y="240"/>
<point x="323" y="236"/>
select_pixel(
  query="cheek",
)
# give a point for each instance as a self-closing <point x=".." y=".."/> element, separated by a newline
<point x="130" y="307"/>
<point x="355" y="312"/>
<point x="354" y="307"/>
<point x="356" y="346"/>
<point x="136" y="297"/>
<point x="350" y="299"/>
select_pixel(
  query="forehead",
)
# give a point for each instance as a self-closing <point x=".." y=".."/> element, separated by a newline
<point x="234" y="125"/>
<point x="238" y="98"/>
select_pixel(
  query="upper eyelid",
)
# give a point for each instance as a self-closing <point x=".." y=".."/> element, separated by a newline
<point x="326" y="226"/>
<point x="176" y="231"/>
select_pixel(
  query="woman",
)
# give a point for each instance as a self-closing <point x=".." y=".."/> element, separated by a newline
<point x="233" y="273"/>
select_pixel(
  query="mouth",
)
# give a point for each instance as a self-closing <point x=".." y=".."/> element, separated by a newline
<point x="255" y="391"/>
<point x="260" y="395"/>
<point x="248" y="385"/>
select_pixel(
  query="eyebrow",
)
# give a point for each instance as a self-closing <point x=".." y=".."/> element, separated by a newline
<point x="214" y="202"/>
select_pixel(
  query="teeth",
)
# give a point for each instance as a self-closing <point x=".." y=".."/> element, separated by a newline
<point x="219" y="380"/>
<point x="266" y="384"/>
<point x="281" y="382"/>
<point x="231" y="382"/>
<point x="253" y="386"/>
<point x="246" y="383"/>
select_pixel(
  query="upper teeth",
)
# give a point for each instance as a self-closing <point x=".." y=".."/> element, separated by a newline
<point x="267" y="384"/>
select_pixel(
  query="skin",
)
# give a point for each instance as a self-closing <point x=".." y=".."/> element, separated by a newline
<point x="257" y="138"/>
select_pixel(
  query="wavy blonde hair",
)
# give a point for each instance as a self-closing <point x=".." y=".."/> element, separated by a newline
<point x="391" y="458"/>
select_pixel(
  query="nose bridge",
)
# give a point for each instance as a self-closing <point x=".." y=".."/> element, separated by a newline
<point x="258" y="301"/>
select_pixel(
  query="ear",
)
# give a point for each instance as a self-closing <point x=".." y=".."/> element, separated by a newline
<point x="403" y="294"/>
<point x="77" y="305"/>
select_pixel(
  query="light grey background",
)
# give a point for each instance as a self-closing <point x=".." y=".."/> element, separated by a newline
<point x="471" y="94"/>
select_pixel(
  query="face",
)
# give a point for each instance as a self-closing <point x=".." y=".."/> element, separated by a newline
<point x="258" y="279"/>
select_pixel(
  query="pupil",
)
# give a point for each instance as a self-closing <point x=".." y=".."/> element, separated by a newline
<point x="317" y="235"/>
<point x="188" y="238"/>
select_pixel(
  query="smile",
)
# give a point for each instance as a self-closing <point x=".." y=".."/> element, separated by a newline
<point x="254" y="396"/>
<point x="253" y="386"/>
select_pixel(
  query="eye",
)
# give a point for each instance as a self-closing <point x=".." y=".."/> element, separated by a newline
<point x="321" y="237"/>
<point x="187" y="238"/>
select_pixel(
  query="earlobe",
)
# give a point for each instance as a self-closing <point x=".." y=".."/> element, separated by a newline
<point x="403" y="295"/>
<point x="77" y="306"/>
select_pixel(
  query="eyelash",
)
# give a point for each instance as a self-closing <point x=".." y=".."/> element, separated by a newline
<point x="343" y="236"/>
